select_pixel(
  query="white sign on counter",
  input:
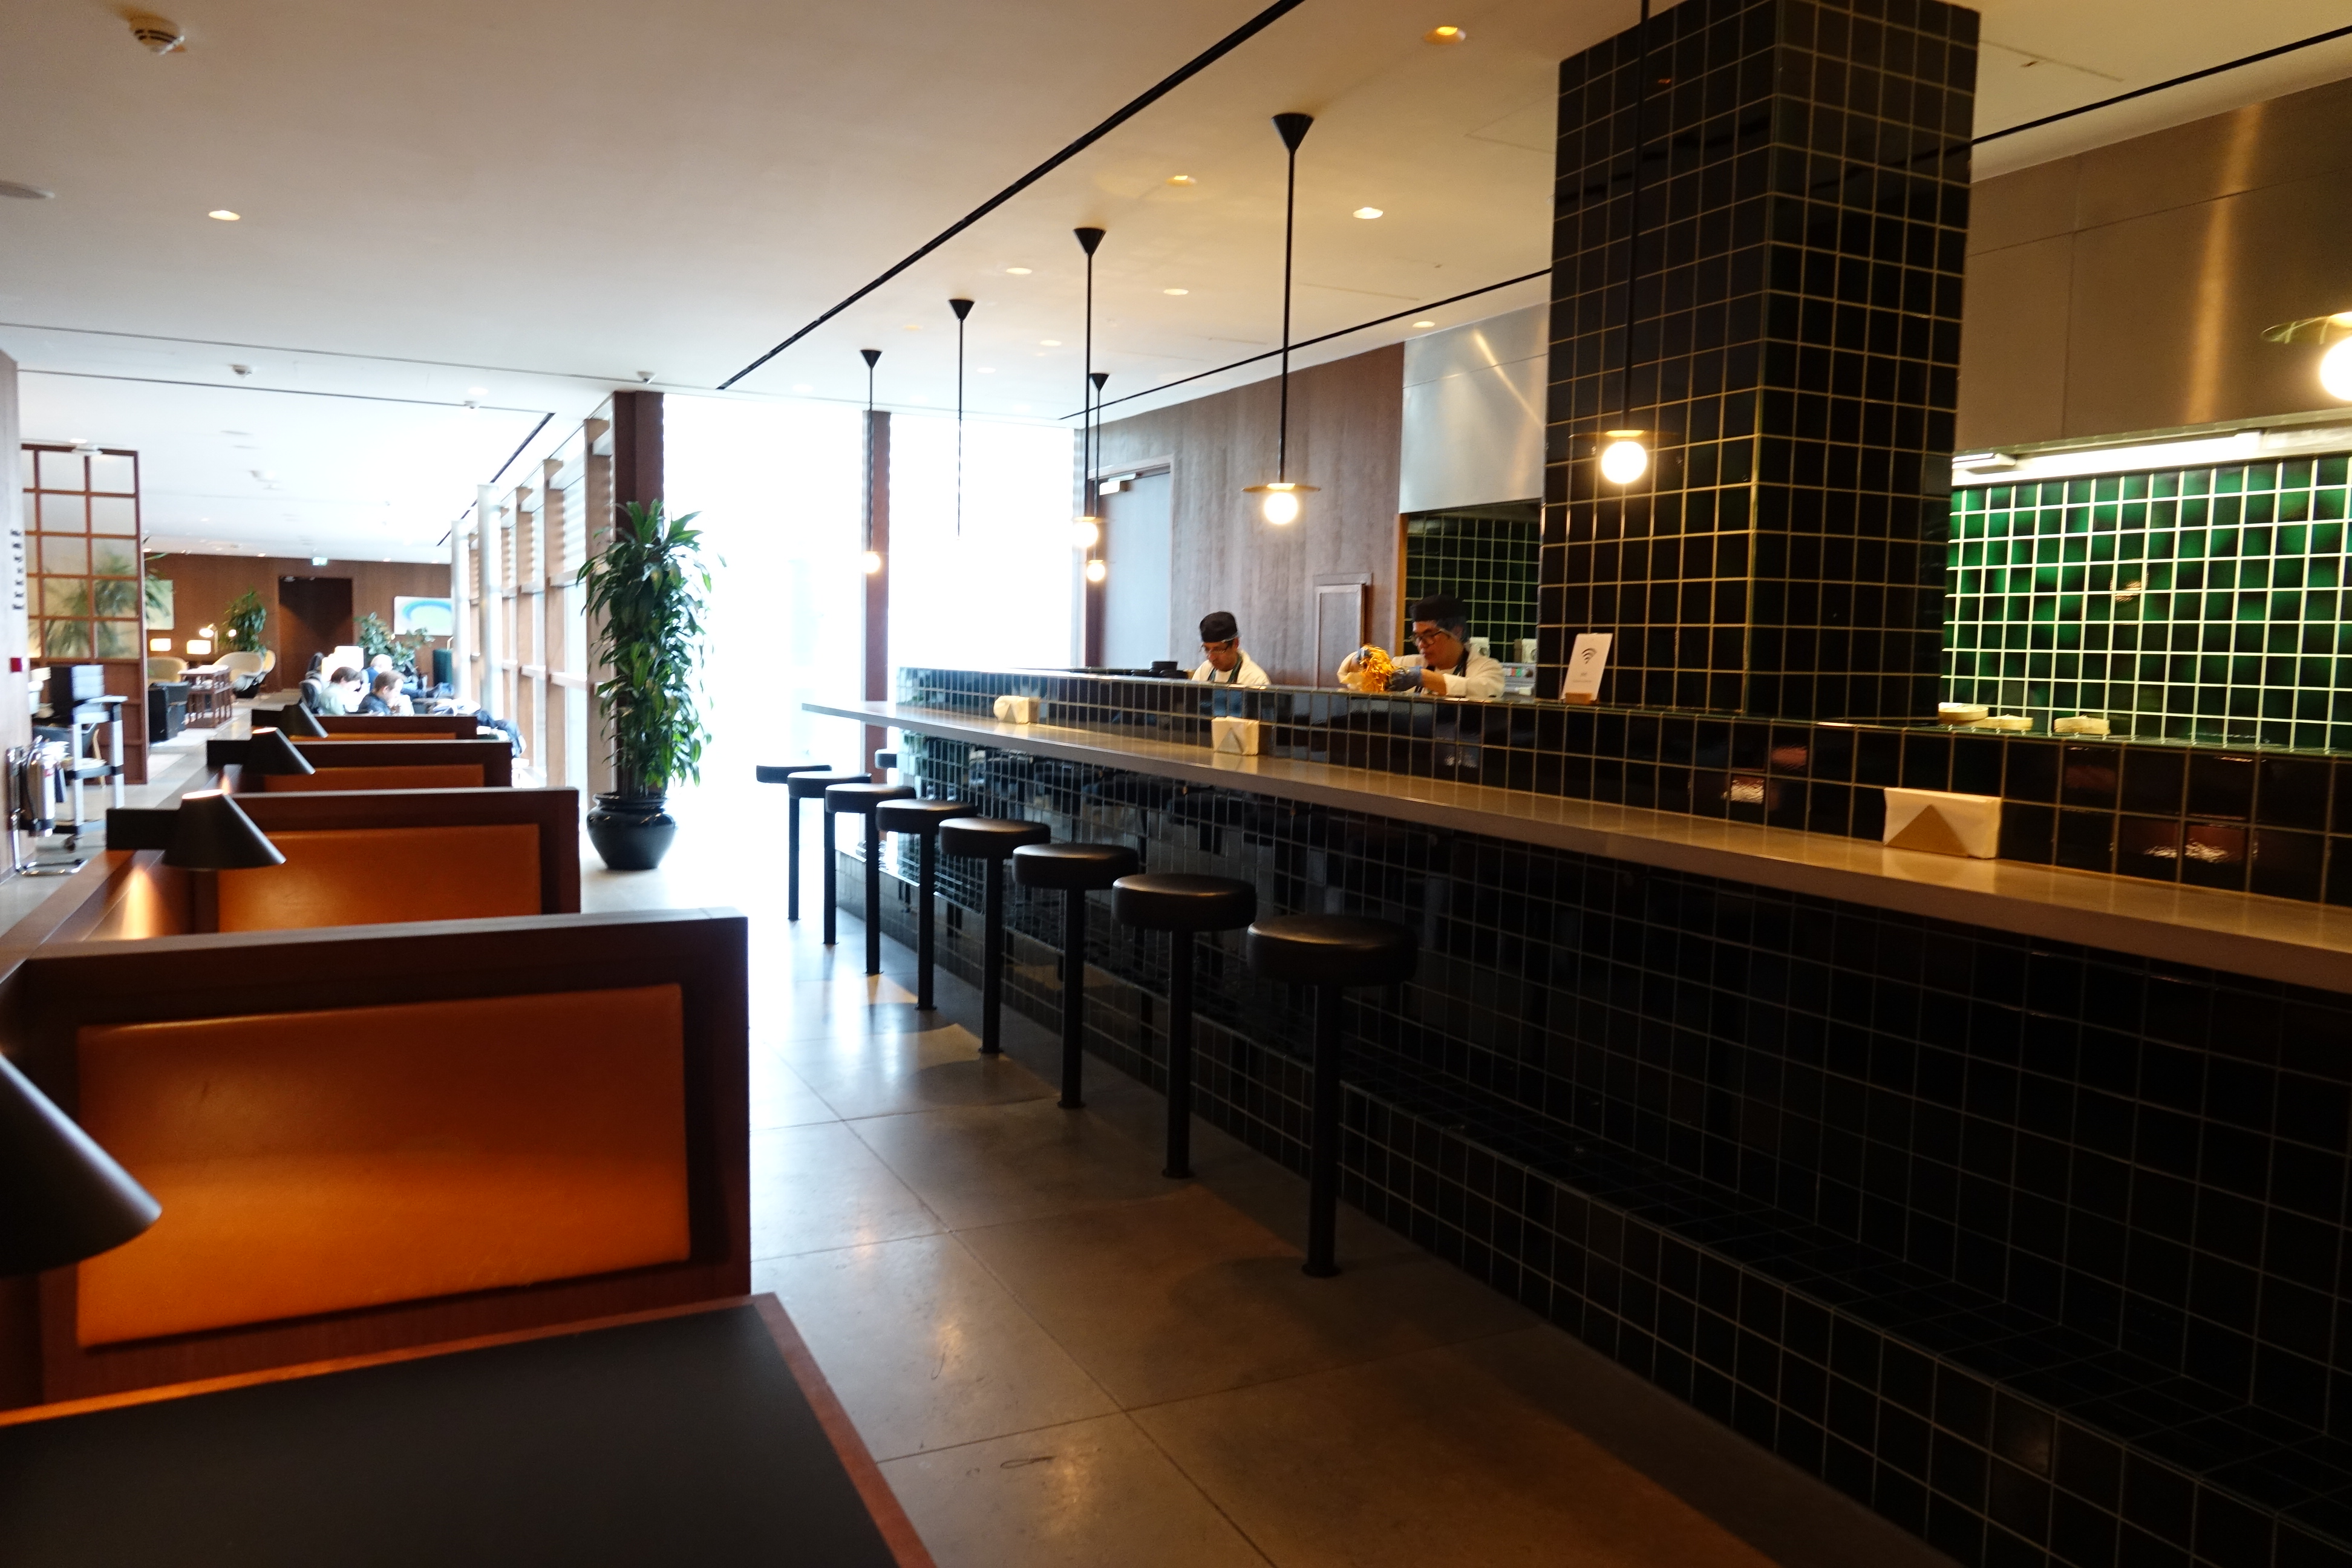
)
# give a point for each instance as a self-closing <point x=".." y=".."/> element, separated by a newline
<point x="1587" y="662"/>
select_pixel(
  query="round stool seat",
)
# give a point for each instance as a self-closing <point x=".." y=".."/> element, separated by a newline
<point x="990" y="837"/>
<point x="781" y="773"/>
<point x="861" y="797"/>
<point x="919" y="815"/>
<point x="1330" y="949"/>
<point x="1178" y="903"/>
<point x="1079" y="867"/>
<point x="804" y="786"/>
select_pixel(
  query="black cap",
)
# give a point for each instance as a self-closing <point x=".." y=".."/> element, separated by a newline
<point x="212" y="833"/>
<point x="295" y="719"/>
<point x="1218" y="626"/>
<point x="1443" y="608"/>
<point x="68" y="1199"/>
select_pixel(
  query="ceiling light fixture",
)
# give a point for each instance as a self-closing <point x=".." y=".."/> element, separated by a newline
<point x="1624" y="452"/>
<point x="1018" y="271"/>
<point x="1182" y="180"/>
<point x="1370" y="212"/>
<point x="24" y="192"/>
<point x="1097" y="569"/>
<point x="1447" y="35"/>
<point x="1425" y="323"/>
<point x="156" y="34"/>
<point x="961" y="308"/>
<point x="1175" y="290"/>
<point x="1086" y="532"/>
<point x="1049" y="343"/>
<point x="224" y="216"/>
<point x="2335" y="371"/>
<point x="1281" y="503"/>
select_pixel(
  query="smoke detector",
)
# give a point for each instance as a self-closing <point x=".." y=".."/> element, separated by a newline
<point x="242" y="369"/>
<point x="155" y="33"/>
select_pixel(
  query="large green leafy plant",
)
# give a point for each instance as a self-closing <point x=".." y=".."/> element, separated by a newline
<point x="372" y="635"/>
<point x="646" y="593"/>
<point x="243" y="625"/>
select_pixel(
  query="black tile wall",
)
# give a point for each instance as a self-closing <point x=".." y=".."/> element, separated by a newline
<point x="2036" y="1250"/>
<point x="1793" y="331"/>
<point x="2252" y="820"/>
<point x="1487" y="557"/>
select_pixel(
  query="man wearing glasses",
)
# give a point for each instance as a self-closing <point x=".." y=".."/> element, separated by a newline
<point x="1444" y="666"/>
<point x="1227" y="665"/>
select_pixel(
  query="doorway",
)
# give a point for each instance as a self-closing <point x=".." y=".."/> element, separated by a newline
<point x="314" y="616"/>
<point x="1140" y="585"/>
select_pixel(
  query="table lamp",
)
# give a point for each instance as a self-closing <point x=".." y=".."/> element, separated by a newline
<point x="295" y="719"/>
<point x="269" y="751"/>
<point x="62" y="1197"/>
<point x="212" y="833"/>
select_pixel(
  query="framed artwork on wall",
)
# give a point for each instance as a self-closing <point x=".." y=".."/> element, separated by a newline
<point x="414" y="613"/>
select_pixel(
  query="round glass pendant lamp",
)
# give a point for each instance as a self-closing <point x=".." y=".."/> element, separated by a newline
<point x="2335" y="371"/>
<point x="1624" y="457"/>
<point x="1279" y="501"/>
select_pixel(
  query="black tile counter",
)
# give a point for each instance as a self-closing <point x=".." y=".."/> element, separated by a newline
<point x="2031" y="1244"/>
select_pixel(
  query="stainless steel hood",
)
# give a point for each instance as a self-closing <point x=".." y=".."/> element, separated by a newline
<point x="1474" y="402"/>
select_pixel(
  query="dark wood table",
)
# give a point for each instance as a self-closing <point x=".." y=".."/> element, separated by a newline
<point x="211" y="695"/>
<point x="699" y="1436"/>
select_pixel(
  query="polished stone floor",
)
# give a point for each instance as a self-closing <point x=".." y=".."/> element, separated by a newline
<point x="1060" y="1357"/>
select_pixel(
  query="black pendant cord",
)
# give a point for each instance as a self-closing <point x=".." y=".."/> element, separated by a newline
<point x="1090" y="491"/>
<point x="869" y="356"/>
<point x="1293" y="130"/>
<point x="961" y="308"/>
<point x="1633" y="219"/>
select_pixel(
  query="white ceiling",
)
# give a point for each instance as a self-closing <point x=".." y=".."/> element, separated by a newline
<point x="546" y="200"/>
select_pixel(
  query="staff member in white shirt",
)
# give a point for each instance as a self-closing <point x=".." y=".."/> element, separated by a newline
<point x="1227" y="665"/>
<point x="1445" y="666"/>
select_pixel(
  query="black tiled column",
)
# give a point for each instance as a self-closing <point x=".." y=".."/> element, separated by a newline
<point x="1794" y="334"/>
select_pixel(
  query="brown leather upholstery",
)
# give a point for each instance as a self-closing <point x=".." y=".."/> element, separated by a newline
<point x="321" y="1160"/>
<point x="373" y="876"/>
<point x="451" y="775"/>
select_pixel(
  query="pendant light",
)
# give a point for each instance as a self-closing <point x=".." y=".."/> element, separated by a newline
<point x="1281" y="503"/>
<point x="961" y="308"/>
<point x="1086" y="529"/>
<point x="872" y="559"/>
<point x="1624" y="452"/>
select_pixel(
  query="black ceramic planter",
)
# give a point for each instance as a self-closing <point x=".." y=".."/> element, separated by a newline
<point x="631" y="833"/>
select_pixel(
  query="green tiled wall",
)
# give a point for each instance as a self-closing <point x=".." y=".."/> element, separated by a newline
<point x="2187" y="604"/>
<point x="1488" y="556"/>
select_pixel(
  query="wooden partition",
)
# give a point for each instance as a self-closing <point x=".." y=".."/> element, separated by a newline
<point x="423" y="763"/>
<point x="397" y="727"/>
<point x="351" y="858"/>
<point x="407" y="1135"/>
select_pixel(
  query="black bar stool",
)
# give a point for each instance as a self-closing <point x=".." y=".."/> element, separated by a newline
<point x="922" y="818"/>
<point x="798" y="787"/>
<point x="860" y="797"/>
<point x="1328" y="953"/>
<point x="1183" y="907"/>
<point x="1077" y="869"/>
<point x="781" y="773"/>
<point x="991" y="840"/>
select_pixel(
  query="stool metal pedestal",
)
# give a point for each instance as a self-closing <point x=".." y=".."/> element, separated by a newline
<point x="923" y="819"/>
<point x="861" y="798"/>
<point x="1076" y="870"/>
<point x="992" y="840"/>
<point x="1183" y="907"/>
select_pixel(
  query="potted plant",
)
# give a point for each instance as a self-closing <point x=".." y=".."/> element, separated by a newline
<point x="647" y="591"/>
<point x="247" y="620"/>
<point x="372" y="635"/>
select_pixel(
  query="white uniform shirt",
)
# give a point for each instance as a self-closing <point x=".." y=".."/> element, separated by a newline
<point x="1477" y="676"/>
<point x="1246" y="673"/>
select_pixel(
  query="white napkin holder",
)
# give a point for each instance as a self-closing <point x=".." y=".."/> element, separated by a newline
<point x="1241" y="737"/>
<point x="1941" y="822"/>
<point x="1017" y="709"/>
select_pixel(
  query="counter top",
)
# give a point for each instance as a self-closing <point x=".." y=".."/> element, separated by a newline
<point x="2244" y="933"/>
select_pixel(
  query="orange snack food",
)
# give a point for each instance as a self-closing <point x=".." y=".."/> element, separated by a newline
<point x="1373" y="667"/>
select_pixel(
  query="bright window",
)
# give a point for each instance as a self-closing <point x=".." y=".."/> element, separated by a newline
<point x="1002" y="591"/>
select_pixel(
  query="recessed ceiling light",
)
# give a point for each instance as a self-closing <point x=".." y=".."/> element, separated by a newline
<point x="1175" y="290"/>
<point x="1018" y="271"/>
<point x="1425" y="323"/>
<point x="1367" y="211"/>
<point x="24" y="192"/>
<point x="1447" y="35"/>
<point x="912" y="327"/>
<point x="224" y="214"/>
<point x="1049" y="343"/>
<point x="1181" y="179"/>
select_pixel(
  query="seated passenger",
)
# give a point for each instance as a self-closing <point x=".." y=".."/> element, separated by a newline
<point x="385" y="698"/>
<point x="342" y="693"/>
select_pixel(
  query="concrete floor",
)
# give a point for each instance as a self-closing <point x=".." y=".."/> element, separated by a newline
<point x="1059" y="1357"/>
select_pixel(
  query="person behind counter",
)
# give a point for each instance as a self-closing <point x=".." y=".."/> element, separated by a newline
<point x="1445" y="666"/>
<point x="1227" y="664"/>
